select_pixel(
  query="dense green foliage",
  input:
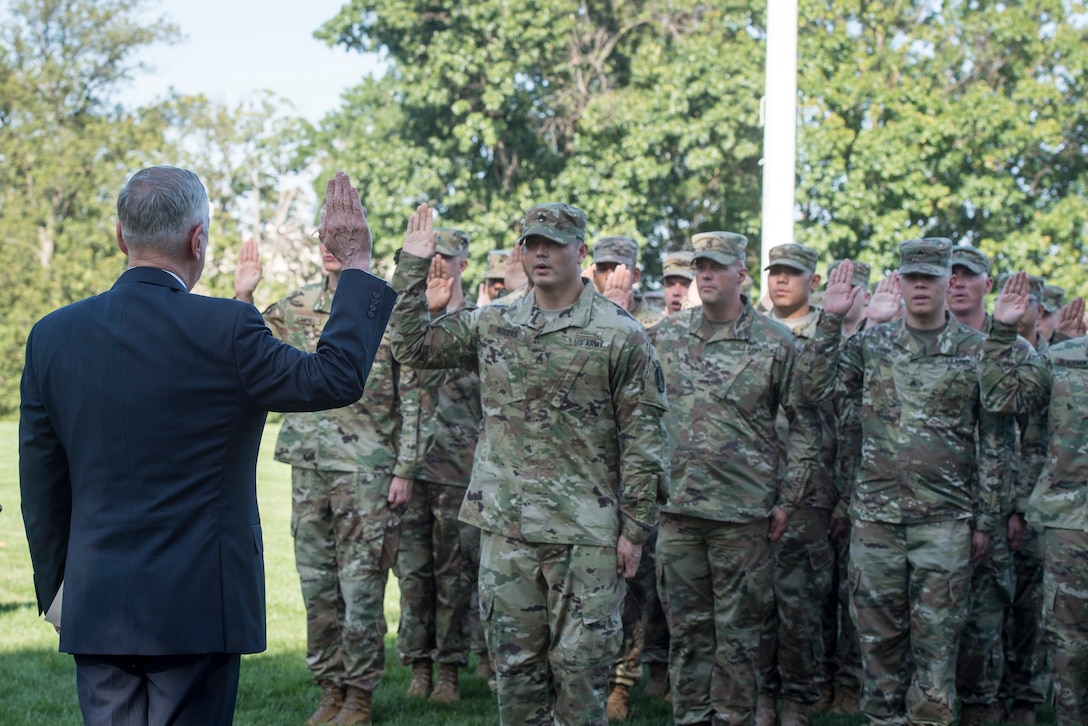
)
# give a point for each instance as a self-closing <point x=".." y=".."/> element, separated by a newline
<point x="954" y="118"/>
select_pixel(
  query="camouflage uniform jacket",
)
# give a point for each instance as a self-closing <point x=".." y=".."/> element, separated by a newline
<point x="573" y="447"/>
<point x="726" y="386"/>
<point x="643" y="313"/>
<point x="929" y="451"/>
<point x="380" y="433"/>
<point x="1027" y="385"/>
<point x="823" y="492"/>
<point x="450" y="403"/>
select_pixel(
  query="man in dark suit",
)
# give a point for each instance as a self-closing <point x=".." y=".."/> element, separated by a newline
<point x="142" y="412"/>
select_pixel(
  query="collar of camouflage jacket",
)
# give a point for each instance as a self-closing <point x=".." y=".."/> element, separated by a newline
<point x="525" y="312"/>
<point x="948" y="342"/>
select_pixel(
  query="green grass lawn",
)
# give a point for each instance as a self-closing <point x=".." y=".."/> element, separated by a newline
<point x="37" y="684"/>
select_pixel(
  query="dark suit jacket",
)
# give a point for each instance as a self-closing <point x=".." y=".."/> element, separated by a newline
<point x="142" y="412"/>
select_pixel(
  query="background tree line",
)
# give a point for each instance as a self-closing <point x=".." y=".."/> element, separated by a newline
<point x="917" y="118"/>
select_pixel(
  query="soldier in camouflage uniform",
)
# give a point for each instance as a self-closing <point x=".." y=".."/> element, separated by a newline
<point x="842" y="657"/>
<point x="927" y="496"/>
<point x="494" y="285"/>
<point x="431" y="566"/>
<point x="569" y="467"/>
<point x="1057" y="383"/>
<point x="792" y="644"/>
<point x="351" y="472"/>
<point x="980" y="664"/>
<point x="616" y="273"/>
<point x="729" y="372"/>
<point x="676" y="277"/>
<point x="1053" y="299"/>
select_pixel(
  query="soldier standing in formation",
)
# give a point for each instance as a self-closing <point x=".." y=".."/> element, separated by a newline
<point x="676" y="277"/>
<point x="924" y="503"/>
<point x="729" y="371"/>
<point x="351" y="473"/>
<point x="616" y="273"/>
<point x="569" y="468"/>
<point x="438" y="556"/>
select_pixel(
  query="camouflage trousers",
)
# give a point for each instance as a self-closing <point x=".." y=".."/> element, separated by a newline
<point x="345" y="542"/>
<point x="910" y="586"/>
<point x="645" y="632"/>
<point x="980" y="664"/>
<point x="791" y="651"/>
<point x="434" y="599"/>
<point x="1065" y="611"/>
<point x="473" y="631"/>
<point x="1027" y="669"/>
<point x="714" y="579"/>
<point x="842" y="659"/>
<point x="551" y="618"/>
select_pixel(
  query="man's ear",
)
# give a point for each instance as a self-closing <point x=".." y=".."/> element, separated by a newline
<point x="814" y="283"/>
<point x="636" y="275"/>
<point x="196" y="242"/>
<point x="462" y="264"/>
<point x="121" y="241"/>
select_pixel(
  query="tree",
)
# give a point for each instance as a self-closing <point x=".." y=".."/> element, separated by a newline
<point x="643" y="113"/>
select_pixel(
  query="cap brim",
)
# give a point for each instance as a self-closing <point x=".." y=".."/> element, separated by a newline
<point x="686" y="274"/>
<point x="799" y="266"/>
<point x="972" y="266"/>
<point x="720" y="257"/>
<point x="612" y="258"/>
<point x="548" y="233"/>
<point x="922" y="268"/>
<point x="1051" y="307"/>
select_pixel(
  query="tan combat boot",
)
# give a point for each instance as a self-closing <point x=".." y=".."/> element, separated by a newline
<point x="847" y="702"/>
<point x="616" y="709"/>
<point x="332" y="699"/>
<point x="356" y="708"/>
<point x="420" y="687"/>
<point x="445" y="690"/>
<point x="794" y="713"/>
<point x="484" y="669"/>
<point x="766" y="714"/>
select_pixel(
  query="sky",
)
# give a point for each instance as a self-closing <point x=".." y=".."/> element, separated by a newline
<point x="234" y="48"/>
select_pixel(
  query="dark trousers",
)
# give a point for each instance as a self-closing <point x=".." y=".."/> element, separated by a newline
<point x="164" y="690"/>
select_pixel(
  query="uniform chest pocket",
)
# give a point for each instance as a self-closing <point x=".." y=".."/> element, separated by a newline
<point x="578" y="392"/>
<point x="953" y="389"/>
<point x="744" y="385"/>
<point x="502" y="379"/>
<point x="1068" y="402"/>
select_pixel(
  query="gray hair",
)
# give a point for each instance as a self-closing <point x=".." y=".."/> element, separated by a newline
<point x="158" y="208"/>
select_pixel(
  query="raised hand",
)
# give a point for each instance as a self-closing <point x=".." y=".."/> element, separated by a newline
<point x="482" y="298"/>
<point x="1071" y="319"/>
<point x="1013" y="300"/>
<point x="885" y="302"/>
<point x="439" y="286"/>
<point x="841" y="293"/>
<point x="248" y="271"/>
<point x="419" y="240"/>
<point x="618" y="287"/>
<point x="516" y="278"/>
<point x="344" y="229"/>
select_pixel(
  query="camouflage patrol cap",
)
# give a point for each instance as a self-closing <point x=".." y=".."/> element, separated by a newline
<point x="972" y="258"/>
<point x="862" y="272"/>
<point x="677" y="264"/>
<point x="1053" y="297"/>
<point x="450" y="242"/>
<point x="1035" y="285"/>
<point x="621" y="250"/>
<point x="725" y="248"/>
<point x="496" y="264"/>
<point x="556" y="221"/>
<point x="927" y="256"/>
<point x="793" y="255"/>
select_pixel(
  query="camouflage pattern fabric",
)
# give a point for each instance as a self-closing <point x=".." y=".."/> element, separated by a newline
<point x="726" y="384"/>
<point x="345" y="542"/>
<point x="551" y="617"/>
<point x="842" y="653"/>
<point x="644" y="314"/>
<point x="645" y="635"/>
<point x="910" y="585"/>
<point x="1065" y="584"/>
<point x="434" y="600"/>
<point x="980" y="665"/>
<point x="714" y="579"/>
<point x="572" y="455"/>
<point x="435" y="592"/>
<point x="573" y="412"/>
<point x="343" y="461"/>
<point x="792" y="648"/>
<point x="1027" y="661"/>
